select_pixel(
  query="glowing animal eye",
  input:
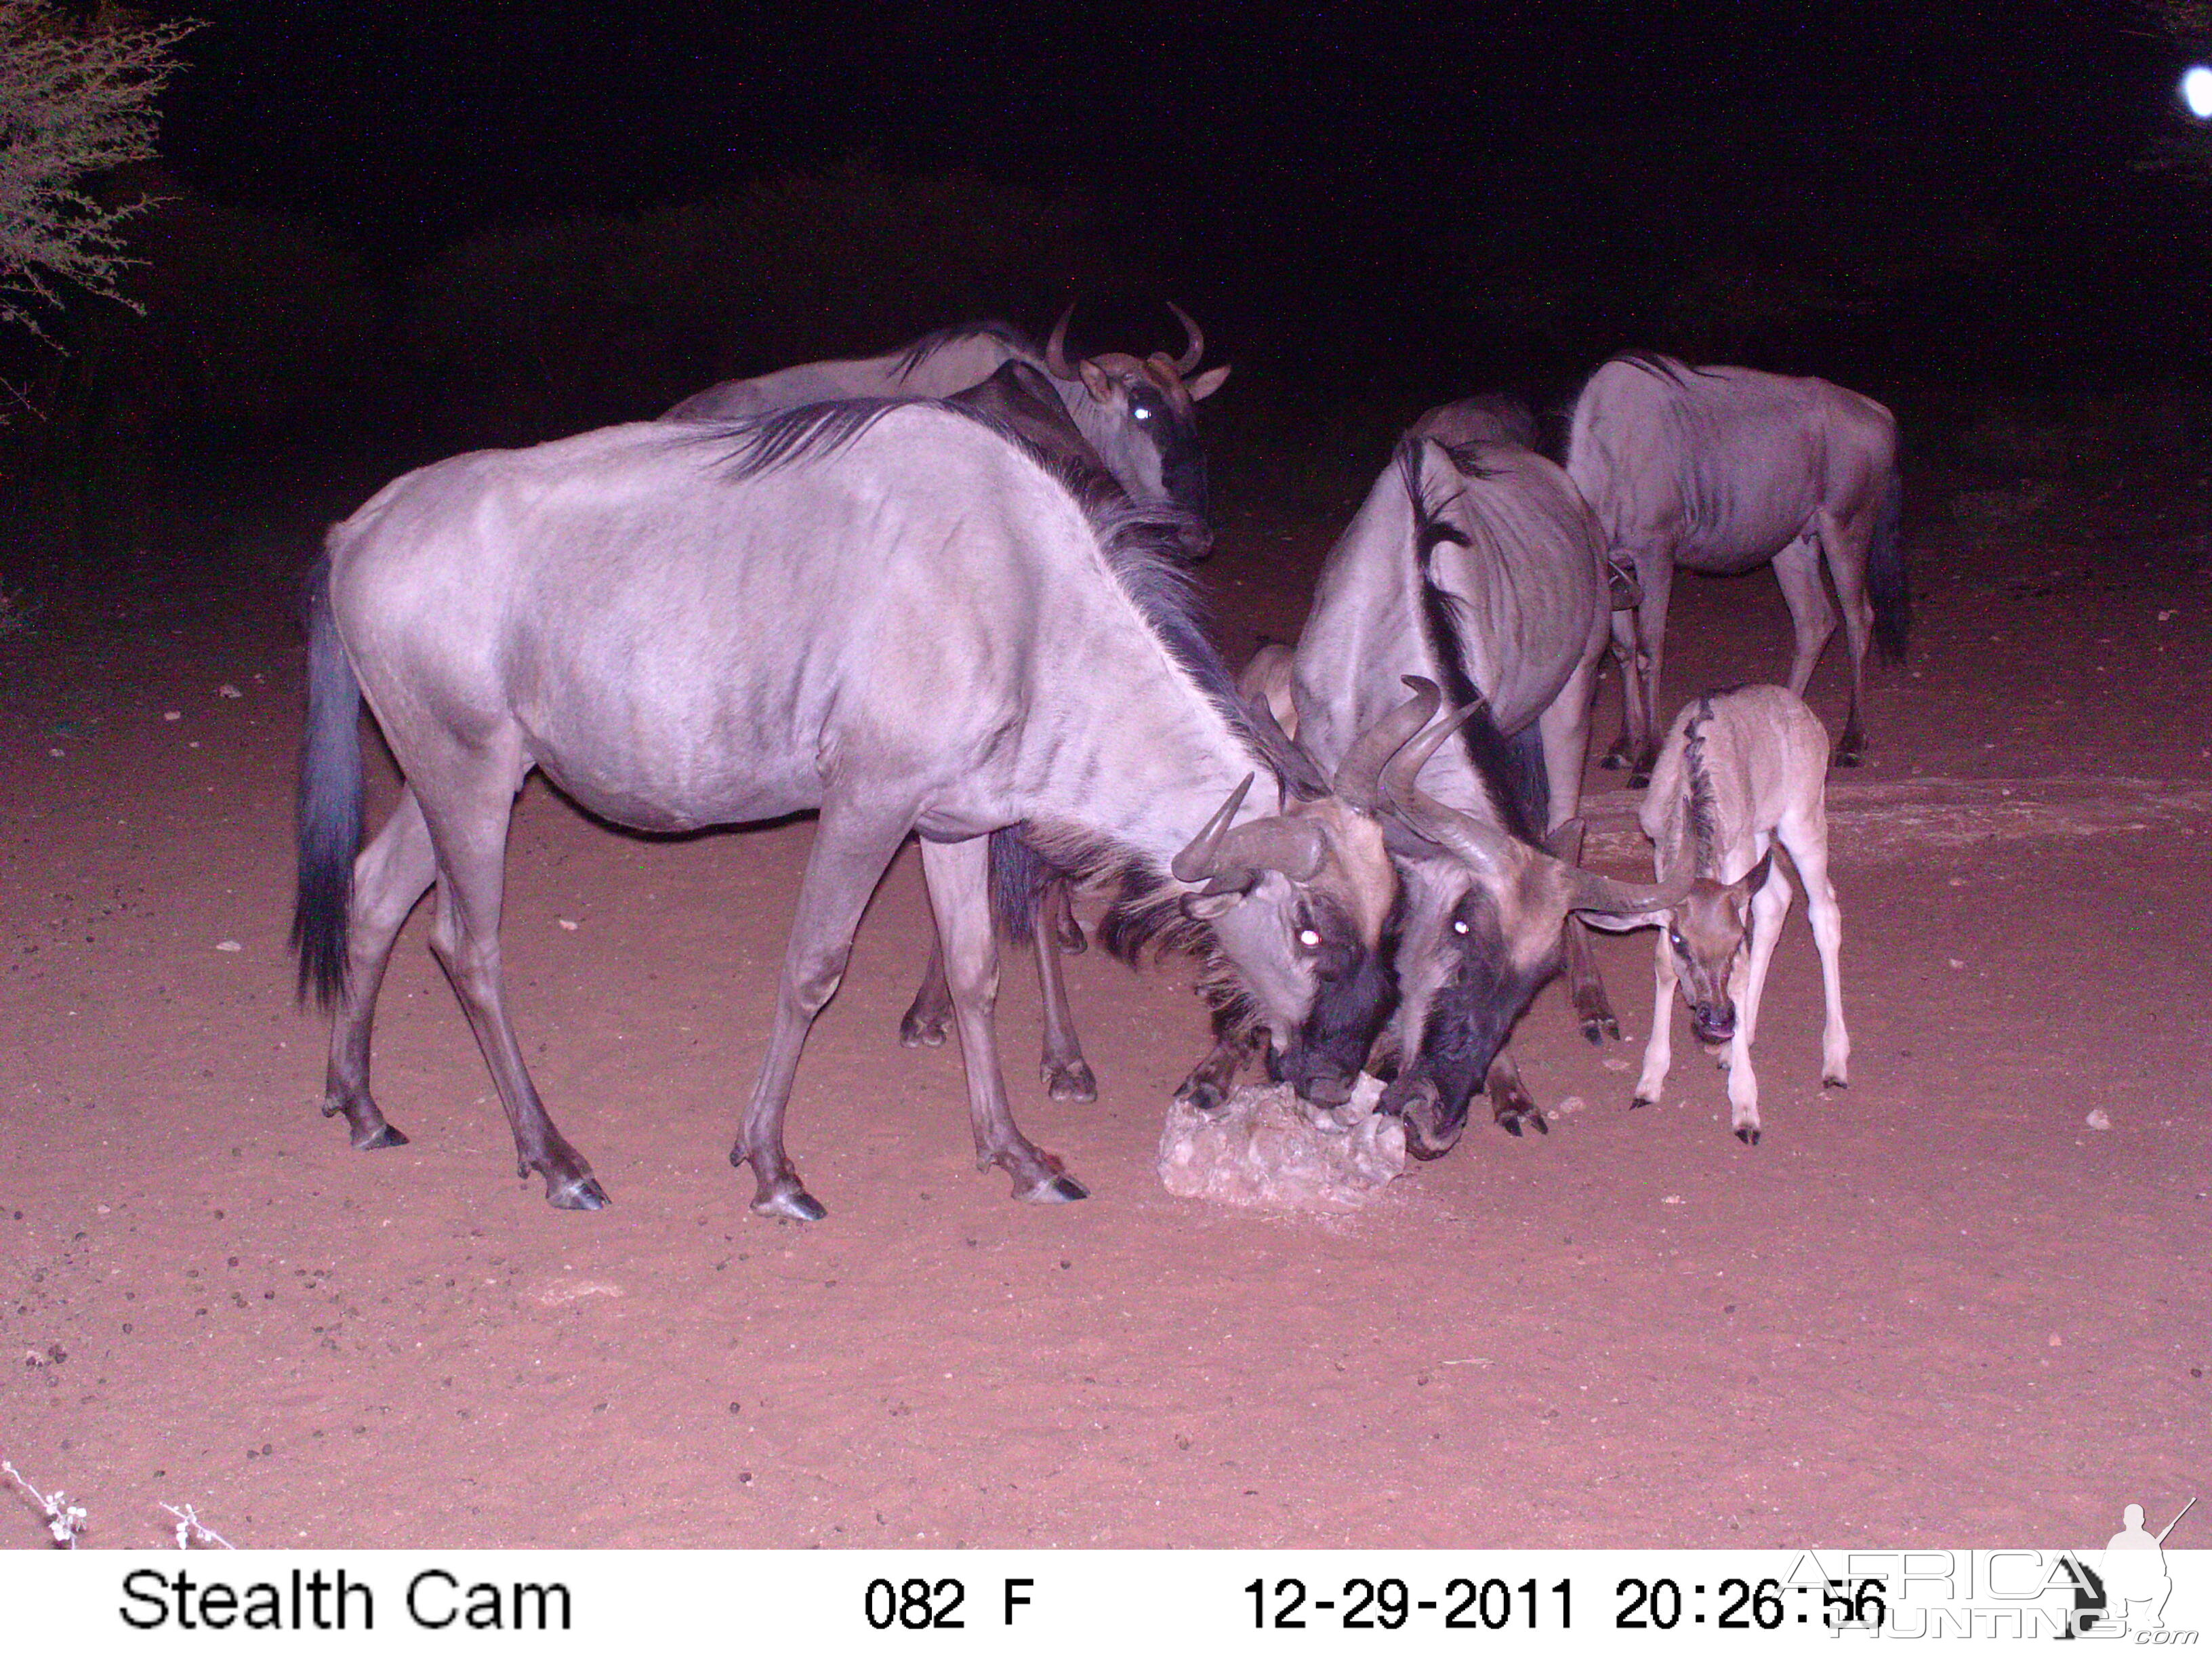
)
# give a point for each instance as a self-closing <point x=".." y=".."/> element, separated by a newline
<point x="1459" y="928"/>
<point x="1142" y="412"/>
<point x="1309" y="938"/>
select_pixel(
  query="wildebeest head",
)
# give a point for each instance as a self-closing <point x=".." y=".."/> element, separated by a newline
<point x="1141" y="417"/>
<point x="1482" y="934"/>
<point x="1708" y="932"/>
<point x="1305" y="904"/>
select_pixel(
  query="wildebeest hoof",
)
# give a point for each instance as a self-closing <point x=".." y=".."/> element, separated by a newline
<point x="1748" y="1135"/>
<point x="377" y="1138"/>
<point x="1056" y="1190"/>
<point x="1835" y="1083"/>
<point x="786" y="1201"/>
<point x="1616" y="758"/>
<point x="1640" y="778"/>
<point x="1596" y="1028"/>
<point x="923" y="1031"/>
<point x="1202" y="1094"/>
<point x="581" y="1191"/>
<point x="1417" y="1143"/>
<point x="1640" y="1101"/>
<point x="1072" y="1082"/>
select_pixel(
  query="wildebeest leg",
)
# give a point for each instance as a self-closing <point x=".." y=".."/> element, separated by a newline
<point x="851" y="849"/>
<point x="958" y="873"/>
<point x="390" y="877"/>
<point x="1056" y="910"/>
<point x="468" y="818"/>
<point x="1564" y="729"/>
<point x="1210" y="1081"/>
<point x="1658" y="1047"/>
<point x="1743" y="1083"/>
<point x="1797" y="566"/>
<point x="1806" y="840"/>
<point x="1644" y="639"/>
<point x="1770" y="908"/>
<point x="1510" y="1103"/>
<point x="1594" y="1014"/>
<point x="929" y="1016"/>
<point x="1066" y="1074"/>
<point x="1845" y="540"/>
<point x="1627" y="653"/>
<point x="1585" y="988"/>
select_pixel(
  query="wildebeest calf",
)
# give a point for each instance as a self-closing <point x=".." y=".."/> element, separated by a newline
<point x="1739" y="771"/>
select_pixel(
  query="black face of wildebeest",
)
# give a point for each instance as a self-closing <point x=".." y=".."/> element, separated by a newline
<point x="1485" y="989"/>
<point x="1356" y="991"/>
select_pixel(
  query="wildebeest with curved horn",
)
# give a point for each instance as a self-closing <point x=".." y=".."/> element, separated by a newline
<point x="889" y="613"/>
<point x="1722" y="470"/>
<point x="1138" y="414"/>
<point x="1474" y="563"/>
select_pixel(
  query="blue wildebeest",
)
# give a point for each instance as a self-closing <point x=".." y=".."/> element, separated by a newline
<point x="1721" y="470"/>
<point x="1473" y="562"/>
<point x="1138" y="414"/>
<point x="889" y="613"/>
<point x="1741" y="771"/>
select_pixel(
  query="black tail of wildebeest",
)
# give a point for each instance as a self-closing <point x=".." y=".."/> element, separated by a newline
<point x="329" y="802"/>
<point x="1887" y="585"/>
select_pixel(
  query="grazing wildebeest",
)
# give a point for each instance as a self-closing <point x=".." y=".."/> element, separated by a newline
<point x="1721" y="470"/>
<point x="1740" y="770"/>
<point x="1475" y="564"/>
<point x="890" y="613"/>
<point x="1138" y="414"/>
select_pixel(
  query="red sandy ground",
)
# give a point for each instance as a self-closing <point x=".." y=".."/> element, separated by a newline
<point x="1937" y="1308"/>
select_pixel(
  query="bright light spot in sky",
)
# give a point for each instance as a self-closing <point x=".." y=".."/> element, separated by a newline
<point x="2196" y="92"/>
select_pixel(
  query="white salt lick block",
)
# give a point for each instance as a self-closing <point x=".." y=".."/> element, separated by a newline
<point x="1266" y="1149"/>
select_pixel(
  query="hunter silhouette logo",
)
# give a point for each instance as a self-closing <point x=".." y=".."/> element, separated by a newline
<point x="2127" y="1590"/>
<point x="2134" y="1571"/>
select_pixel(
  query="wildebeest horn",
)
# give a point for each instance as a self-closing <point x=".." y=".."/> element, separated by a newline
<point x="1294" y="846"/>
<point x="1229" y="861"/>
<point x="1055" y="349"/>
<point x="1196" y="349"/>
<point x="1359" y="774"/>
<point x="1405" y="766"/>
<point x="1196" y="862"/>
<point x="1294" y="769"/>
<point x="1609" y="897"/>
<point x="1471" y="839"/>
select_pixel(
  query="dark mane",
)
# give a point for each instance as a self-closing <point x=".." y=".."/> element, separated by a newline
<point x="916" y="352"/>
<point x="810" y="432"/>
<point x="1512" y="777"/>
<point x="1699" y="810"/>
<point x="1661" y="367"/>
<point x="1137" y="540"/>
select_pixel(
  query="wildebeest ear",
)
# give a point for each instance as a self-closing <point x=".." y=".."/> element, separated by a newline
<point x="1406" y="844"/>
<point x="1206" y="384"/>
<point x="1205" y="906"/>
<point x="1755" y="877"/>
<point x="1096" y="380"/>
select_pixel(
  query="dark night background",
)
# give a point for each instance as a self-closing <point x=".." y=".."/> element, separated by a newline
<point x="396" y="229"/>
